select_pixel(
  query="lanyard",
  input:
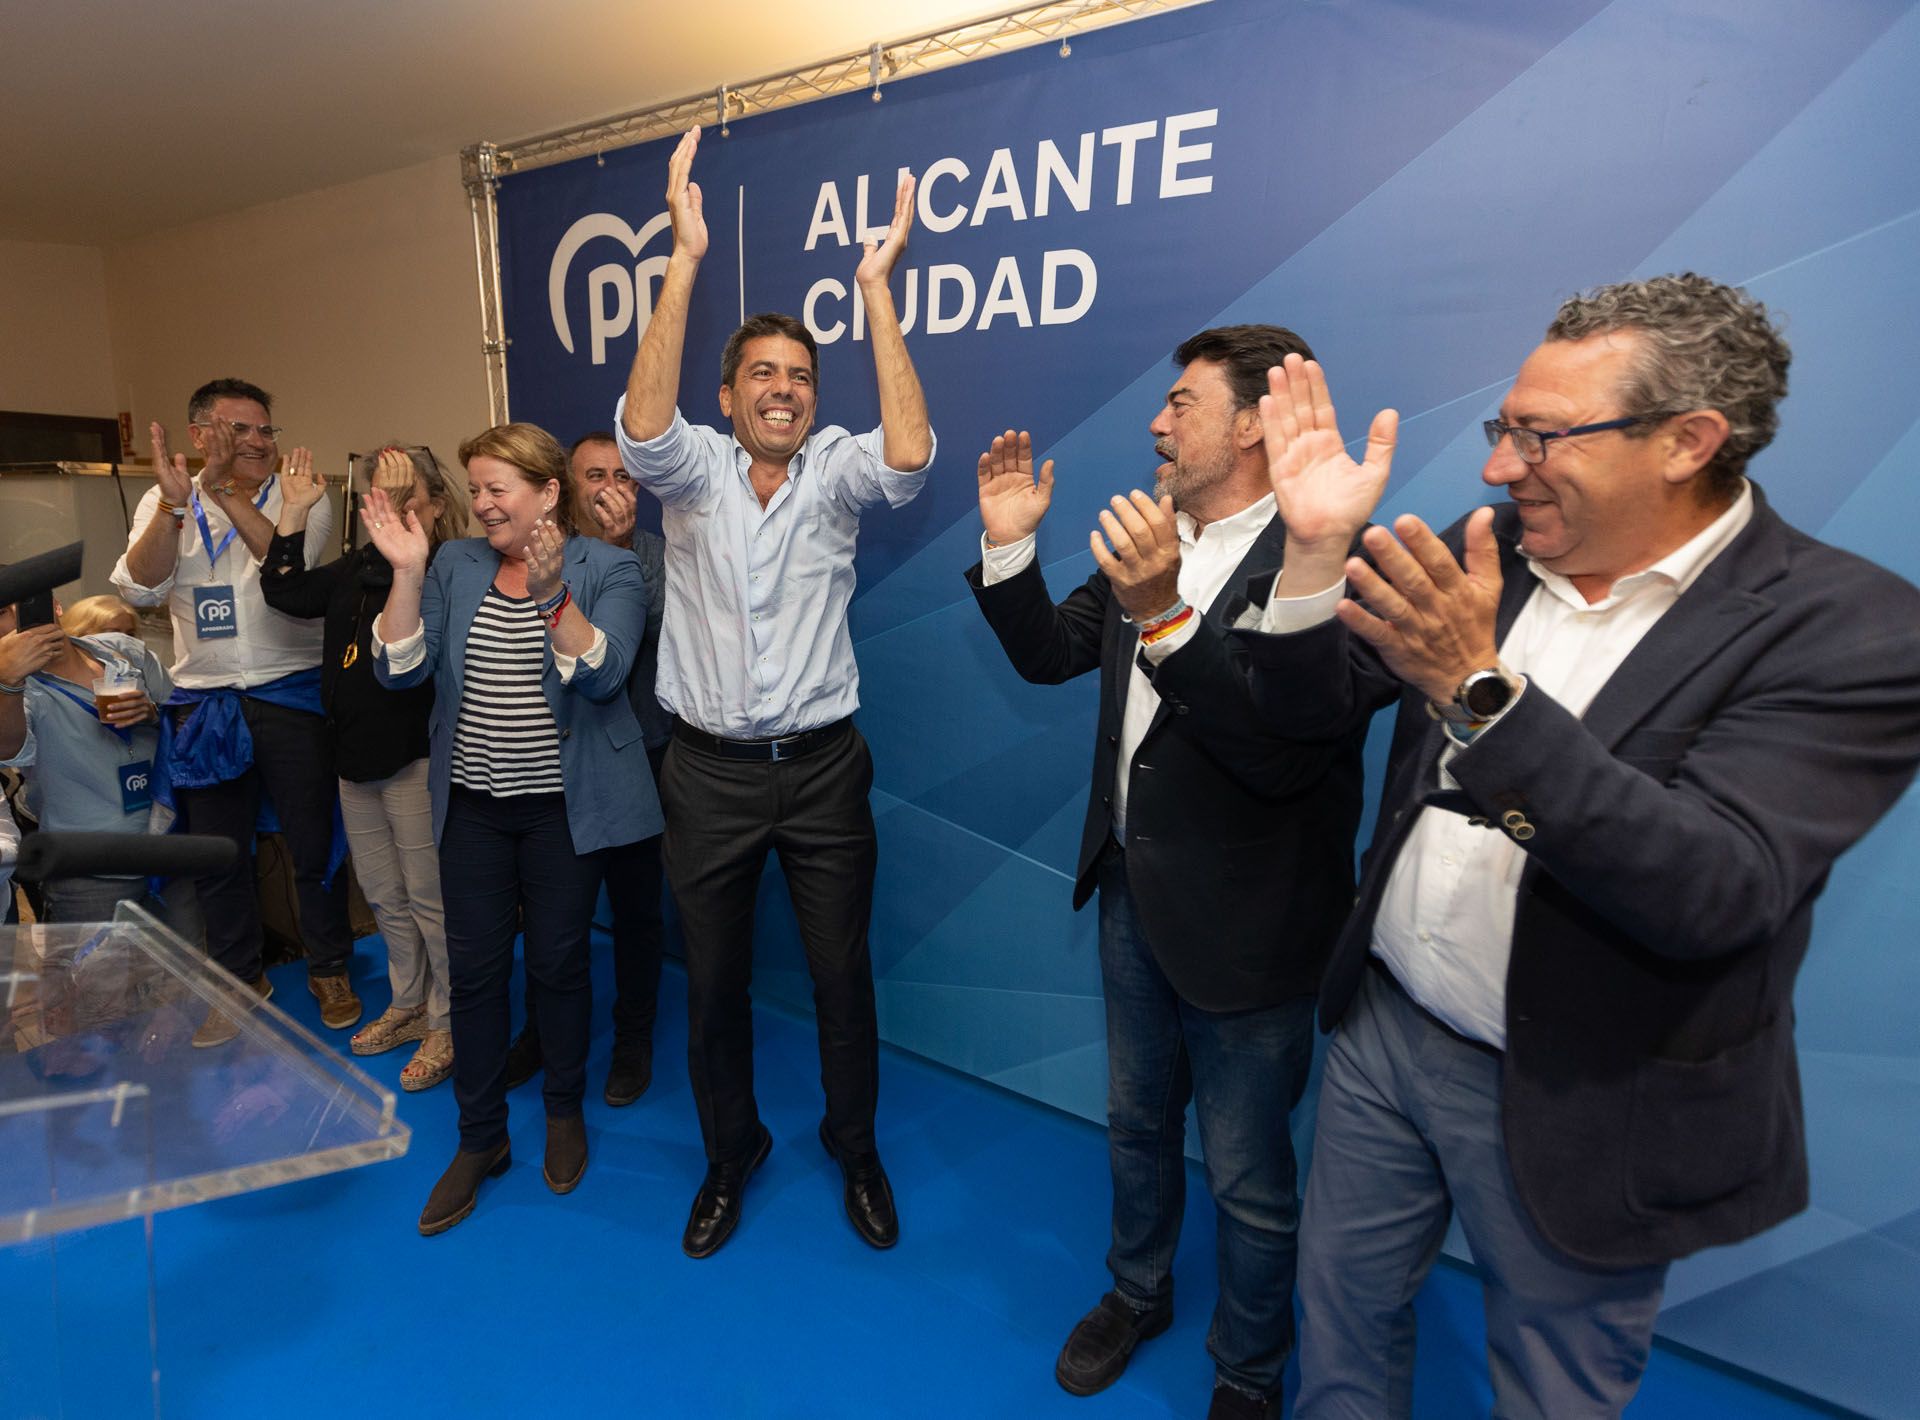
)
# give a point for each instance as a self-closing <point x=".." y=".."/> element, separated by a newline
<point x="84" y="702"/>
<point x="206" y="533"/>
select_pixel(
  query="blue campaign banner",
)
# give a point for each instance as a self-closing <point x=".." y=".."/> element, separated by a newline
<point x="1412" y="187"/>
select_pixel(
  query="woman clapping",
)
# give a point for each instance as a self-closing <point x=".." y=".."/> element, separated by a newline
<point x="378" y="743"/>
<point x="537" y="765"/>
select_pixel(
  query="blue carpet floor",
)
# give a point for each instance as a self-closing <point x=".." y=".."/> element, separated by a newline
<point x="320" y="1299"/>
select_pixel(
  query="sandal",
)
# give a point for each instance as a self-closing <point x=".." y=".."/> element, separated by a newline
<point x="431" y="1063"/>
<point x="395" y="1027"/>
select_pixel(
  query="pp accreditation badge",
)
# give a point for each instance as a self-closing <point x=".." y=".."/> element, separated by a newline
<point x="213" y="617"/>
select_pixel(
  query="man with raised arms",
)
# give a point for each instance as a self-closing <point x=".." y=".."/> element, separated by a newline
<point x="756" y="664"/>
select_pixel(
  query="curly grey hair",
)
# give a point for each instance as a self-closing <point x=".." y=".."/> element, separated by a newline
<point x="1703" y="346"/>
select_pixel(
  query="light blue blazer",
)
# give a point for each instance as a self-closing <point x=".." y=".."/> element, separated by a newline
<point x="603" y="758"/>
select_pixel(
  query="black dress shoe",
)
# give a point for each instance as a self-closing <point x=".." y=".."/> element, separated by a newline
<point x="630" y="1074"/>
<point x="1097" y="1351"/>
<point x="566" y="1153"/>
<point x="869" y="1197"/>
<point x="1231" y="1404"/>
<point x="716" y="1207"/>
<point x="454" y="1195"/>
<point x="524" y="1059"/>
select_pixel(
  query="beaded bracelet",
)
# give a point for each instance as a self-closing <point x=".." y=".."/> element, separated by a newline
<point x="557" y="608"/>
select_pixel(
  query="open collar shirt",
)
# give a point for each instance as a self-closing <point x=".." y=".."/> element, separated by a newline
<point x="755" y="641"/>
<point x="268" y="645"/>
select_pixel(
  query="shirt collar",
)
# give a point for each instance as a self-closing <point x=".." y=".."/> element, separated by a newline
<point x="1679" y="569"/>
<point x="1254" y="516"/>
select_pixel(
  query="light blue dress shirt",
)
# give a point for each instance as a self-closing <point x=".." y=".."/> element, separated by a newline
<point x="76" y="764"/>
<point x="755" y="640"/>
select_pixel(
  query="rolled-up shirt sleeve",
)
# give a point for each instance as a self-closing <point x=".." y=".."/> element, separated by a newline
<point x="594" y="656"/>
<point x="122" y="575"/>
<point x="403" y="655"/>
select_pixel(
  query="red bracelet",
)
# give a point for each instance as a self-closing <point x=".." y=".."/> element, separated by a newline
<point x="552" y="617"/>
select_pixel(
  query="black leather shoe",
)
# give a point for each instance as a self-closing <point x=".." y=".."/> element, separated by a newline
<point x="524" y="1059"/>
<point x="454" y="1195"/>
<point x="630" y="1074"/>
<point x="1231" y="1404"/>
<point x="566" y="1153"/>
<point x="716" y="1207"/>
<point x="1097" y="1351"/>
<point x="869" y="1197"/>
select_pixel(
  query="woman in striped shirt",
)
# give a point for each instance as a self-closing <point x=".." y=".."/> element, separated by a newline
<point x="537" y="765"/>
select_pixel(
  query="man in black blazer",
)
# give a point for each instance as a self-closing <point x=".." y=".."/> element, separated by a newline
<point x="1222" y="852"/>
<point x="1638" y="721"/>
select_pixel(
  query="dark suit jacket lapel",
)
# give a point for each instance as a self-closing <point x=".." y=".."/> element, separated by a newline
<point x="1721" y="604"/>
<point x="1266" y="552"/>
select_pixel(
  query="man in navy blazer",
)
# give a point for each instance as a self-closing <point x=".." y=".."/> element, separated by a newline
<point x="1223" y="854"/>
<point x="1639" y="716"/>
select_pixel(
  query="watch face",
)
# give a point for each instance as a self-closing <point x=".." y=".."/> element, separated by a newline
<point x="1485" y="695"/>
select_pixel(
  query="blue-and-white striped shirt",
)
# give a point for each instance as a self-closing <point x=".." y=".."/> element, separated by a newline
<point x="505" y="742"/>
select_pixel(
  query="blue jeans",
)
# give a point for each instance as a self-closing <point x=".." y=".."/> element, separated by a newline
<point x="1409" y="1133"/>
<point x="1244" y="1071"/>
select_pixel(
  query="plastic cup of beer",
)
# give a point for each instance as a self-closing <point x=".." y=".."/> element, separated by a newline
<point x="115" y="686"/>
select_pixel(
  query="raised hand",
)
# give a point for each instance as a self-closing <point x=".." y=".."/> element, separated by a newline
<point x="1323" y="496"/>
<point x="393" y="474"/>
<point x="1431" y="619"/>
<point x="1143" y="563"/>
<point x="24" y="652"/>
<point x="546" y="552"/>
<point x="217" y="445"/>
<point x="401" y="540"/>
<point x="876" y="266"/>
<point x="683" y="199"/>
<point x="1012" y="500"/>
<point x="300" y="485"/>
<point x="614" y="509"/>
<point x="169" y="470"/>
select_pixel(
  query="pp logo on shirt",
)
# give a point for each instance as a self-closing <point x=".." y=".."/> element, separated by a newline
<point x="213" y="614"/>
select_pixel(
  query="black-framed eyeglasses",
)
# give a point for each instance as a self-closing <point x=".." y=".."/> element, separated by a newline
<point x="1531" y="444"/>
<point x="270" y="432"/>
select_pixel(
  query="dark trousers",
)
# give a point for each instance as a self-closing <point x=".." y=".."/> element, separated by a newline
<point x="634" y="877"/>
<point x="1244" y="1072"/>
<point x="507" y="867"/>
<point x="290" y="763"/>
<point x="723" y="816"/>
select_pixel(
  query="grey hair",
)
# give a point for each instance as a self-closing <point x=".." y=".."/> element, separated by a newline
<point x="1702" y="346"/>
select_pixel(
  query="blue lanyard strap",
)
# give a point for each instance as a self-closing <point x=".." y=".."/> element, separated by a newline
<point x="206" y="533"/>
<point x="84" y="702"/>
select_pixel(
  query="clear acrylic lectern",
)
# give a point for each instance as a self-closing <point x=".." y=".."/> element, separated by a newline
<point x="108" y="1115"/>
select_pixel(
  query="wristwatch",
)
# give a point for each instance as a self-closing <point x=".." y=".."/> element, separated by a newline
<point x="1478" y="698"/>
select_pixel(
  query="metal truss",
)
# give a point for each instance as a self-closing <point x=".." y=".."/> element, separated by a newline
<point x="484" y="164"/>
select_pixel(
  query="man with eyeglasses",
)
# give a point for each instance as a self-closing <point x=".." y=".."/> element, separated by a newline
<point x="245" y="717"/>
<point x="1638" y="718"/>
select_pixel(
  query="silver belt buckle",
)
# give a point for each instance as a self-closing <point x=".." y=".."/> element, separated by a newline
<point x="774" y="745"/>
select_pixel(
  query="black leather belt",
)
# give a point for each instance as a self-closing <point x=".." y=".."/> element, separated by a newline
<point x="762" y="751"/>
<point x="1393" y="983"/>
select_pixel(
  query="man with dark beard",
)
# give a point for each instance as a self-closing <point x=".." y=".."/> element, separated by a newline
<point x="1209" y="954"/>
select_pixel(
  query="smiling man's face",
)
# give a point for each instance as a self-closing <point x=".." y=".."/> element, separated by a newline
<point x="771" y="399"/>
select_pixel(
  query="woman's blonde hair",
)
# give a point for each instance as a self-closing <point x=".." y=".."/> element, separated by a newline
<point x="91" y="615"/>
<point x="536" y="455"/>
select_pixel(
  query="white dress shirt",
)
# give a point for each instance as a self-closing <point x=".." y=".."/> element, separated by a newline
<point x="1445" y="923"/>
<point x="1207" y="558"/>
<point x="268" y="644"/>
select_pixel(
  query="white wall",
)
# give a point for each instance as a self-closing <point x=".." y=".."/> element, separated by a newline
<point x="355" y="306"/>
<point x="55" y="355"/>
